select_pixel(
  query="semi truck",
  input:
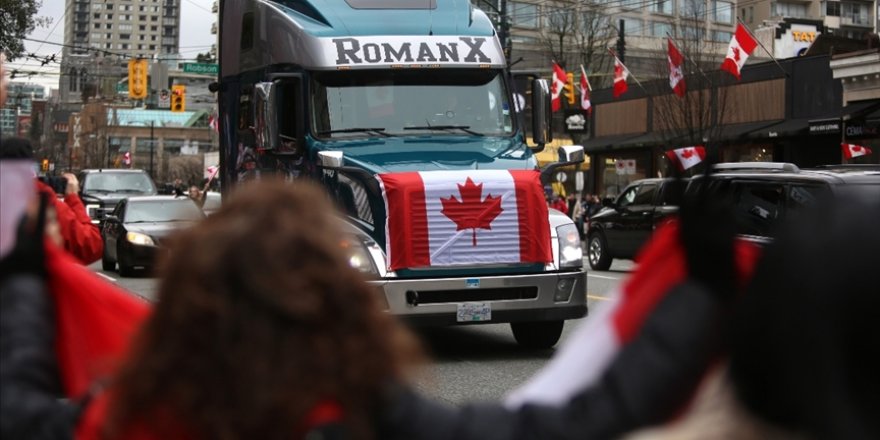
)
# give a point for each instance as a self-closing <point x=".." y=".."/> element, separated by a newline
<point x="404" y="111"/>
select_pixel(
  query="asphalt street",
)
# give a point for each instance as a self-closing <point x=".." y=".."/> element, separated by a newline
<point x="468" y="363"/>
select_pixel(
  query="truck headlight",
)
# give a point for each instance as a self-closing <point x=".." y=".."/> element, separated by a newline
<point x="358" y="256"/>
<point x="570" y="253"/>
<point x="139" y="239"/>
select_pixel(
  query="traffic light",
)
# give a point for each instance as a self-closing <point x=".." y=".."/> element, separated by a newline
<point x="137" y="79"/>
<point x="569" y="87"/>
<point x="178" y="98"/>
<point x="44" y="165"/>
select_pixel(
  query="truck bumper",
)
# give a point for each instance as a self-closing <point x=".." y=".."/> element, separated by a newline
<point x="551" y="296"/>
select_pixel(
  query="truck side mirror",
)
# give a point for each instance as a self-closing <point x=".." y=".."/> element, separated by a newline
<point x="331" y="159"/>
<point x="541" y="114"/>
<point x="266" y="116"/>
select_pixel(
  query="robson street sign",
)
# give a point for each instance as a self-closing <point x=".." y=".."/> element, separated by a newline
<point x="203" y="68"/>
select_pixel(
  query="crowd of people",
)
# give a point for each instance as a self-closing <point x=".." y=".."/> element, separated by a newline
<point x="263" y="330"/>
<point x="579" y="207"/>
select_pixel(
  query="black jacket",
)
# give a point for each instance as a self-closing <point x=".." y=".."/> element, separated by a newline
<point x="31" y="399"/>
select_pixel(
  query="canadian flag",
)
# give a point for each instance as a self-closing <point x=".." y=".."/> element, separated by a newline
<point x="687" y="157"/>
<point x="126" y="158"/>
<point x="676" y="76"/>
<point x="559" y="79"/>
<point x="211" y="171"/>
<point x="620" y="75"/>
<point x="852" y="150"/>
<point x="585" y="92"/>
<point x="213" y="123"/>
<point x="447" y="218"/>
<point x="741" y="46"/>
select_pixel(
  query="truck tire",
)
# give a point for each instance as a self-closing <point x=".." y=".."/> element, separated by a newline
<point x="597" y="252"/>
<point x="543" y="334"/>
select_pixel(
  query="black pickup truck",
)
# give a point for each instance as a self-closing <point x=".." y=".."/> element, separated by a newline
<point x="102" y="189"/>
<point x="621" y="228"/>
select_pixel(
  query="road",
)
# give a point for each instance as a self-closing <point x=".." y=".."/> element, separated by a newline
<point x="468" y="363"/>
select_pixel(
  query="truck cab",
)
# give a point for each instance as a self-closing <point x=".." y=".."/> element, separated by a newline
<point x="404" y="112"/>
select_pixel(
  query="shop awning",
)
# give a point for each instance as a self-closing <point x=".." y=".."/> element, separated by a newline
<point x="788" y="127"/>
<point x="860" y="109"/>
<point x="611" y="142"/>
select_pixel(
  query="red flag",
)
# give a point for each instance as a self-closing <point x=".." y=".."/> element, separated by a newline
<point x="452" y="218"/>
<point x="559" y="79"/>
<point x="620" y="75"/>
<point x="126" y="158"/>
<point x="686" y="157"/>
<point x="741" y="46"/>
<point x="676" y="76"/>
<point x="95" y="321"/>
<point x="585" y="92"/>
<point x="852" y="150"/>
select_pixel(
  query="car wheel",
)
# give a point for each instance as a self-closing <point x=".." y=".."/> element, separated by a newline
<point x="106" y="263"/>
<point x="542" y="335"/>
<point x="597" y="252"/>
<point x="125" y="269"/>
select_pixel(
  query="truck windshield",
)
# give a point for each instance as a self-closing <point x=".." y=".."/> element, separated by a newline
<point x="373" y="103"/>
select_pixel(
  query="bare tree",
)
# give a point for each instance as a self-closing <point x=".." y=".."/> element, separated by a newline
<point x="575" y="33"/>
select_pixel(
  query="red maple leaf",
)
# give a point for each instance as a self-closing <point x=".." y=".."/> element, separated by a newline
<point x="472" y="211"/>
<point x="687" y="153"/>
<point x="736" y="54"/>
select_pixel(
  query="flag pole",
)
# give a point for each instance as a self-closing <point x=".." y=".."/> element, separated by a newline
<point x="689" y="59"/>
<point x="762" y="46"/>
<point x="584" y="74"/>
<point x="627" y="70"/>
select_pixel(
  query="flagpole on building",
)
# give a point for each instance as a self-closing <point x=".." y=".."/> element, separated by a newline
<point x="689" y="59"/>
<point x="627" y="70"/>
<point x="762" y="46"/>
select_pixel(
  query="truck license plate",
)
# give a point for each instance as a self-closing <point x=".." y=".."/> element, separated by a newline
<point x="474" y="312"/>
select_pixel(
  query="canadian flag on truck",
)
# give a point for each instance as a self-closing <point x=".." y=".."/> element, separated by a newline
<point x="448" y="218"/>
<point x="852" y="150"/>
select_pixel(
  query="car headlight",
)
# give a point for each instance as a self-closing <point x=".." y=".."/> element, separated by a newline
<point x="358" y="256"/>
<point x="138" y="238"/>
<point x="570" y="253"/>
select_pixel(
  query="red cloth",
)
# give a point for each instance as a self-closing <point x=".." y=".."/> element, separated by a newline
<point x="560" y="205"/>
<point x="81" y="238"/>
<point x="95" y="321"/>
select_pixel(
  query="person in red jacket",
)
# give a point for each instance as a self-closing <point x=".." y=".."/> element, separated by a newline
<point x="81" y="238"/>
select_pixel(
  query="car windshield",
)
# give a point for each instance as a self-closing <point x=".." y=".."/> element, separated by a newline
<point x="382" y="103"/>
<point x="141" y="211"/>
<point x="133" y="183"/>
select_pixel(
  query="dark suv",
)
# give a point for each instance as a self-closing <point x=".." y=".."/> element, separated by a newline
<point x="621" y="228"/>
<point x="102" y="189"/>
<point x="764" y="193"/>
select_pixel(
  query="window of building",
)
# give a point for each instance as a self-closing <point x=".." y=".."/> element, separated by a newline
<point x="832" y="9"/>
<point x="108" y="36"/>
<point x="663" y="7"/>
<point x="97" y="6"/>
<point x="97" y="25"/>
<point x="784" y="9"/>
<point x="660" y="29"/>
<point x="142" y="17"/>
<point x="109" y="6"/>
<point x="721" y="36"/>
<point x="72" y="79"/>
<point x="524" y="14"/>
<point x="154" y="18"/>
<point x="722" y="11"/>
<point x="124" y="36"/>
<point x="154" y="28"/>
<point x="96" y="16"/>
<point x="109" y="17"/>
<point x="632" y="26"/>
<point x="695" y="9"/>
<point x="125" y="28"/>
<point x="108" y="26"/>
<point x="693" y="33"/>
<point x="856" y="12"/>
<point x="152" y="47"/>
<point x="632" y="4"/>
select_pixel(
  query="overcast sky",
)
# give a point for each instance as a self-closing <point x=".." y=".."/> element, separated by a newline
<point x="195" y="36"/>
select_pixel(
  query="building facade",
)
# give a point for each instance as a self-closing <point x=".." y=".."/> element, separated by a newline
<point x="846" y="18"/>
<point x="15" y="115"/>
<point x="100" y="36"/>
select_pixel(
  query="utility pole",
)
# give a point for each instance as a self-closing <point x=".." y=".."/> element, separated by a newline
<point x="152" y="123"/>
<point x="504" y="29"/>
<point x="621" y="42"/>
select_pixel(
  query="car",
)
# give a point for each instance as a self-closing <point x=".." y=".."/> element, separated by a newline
<point x="212" y="202"/>
<point x="625" y="223"/>
<point x="135" y="230"/>
<point x="102" y="189"/>
<point x="765" y="193"/>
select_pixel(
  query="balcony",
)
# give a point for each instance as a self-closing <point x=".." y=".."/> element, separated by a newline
<point x="215" y="7"/>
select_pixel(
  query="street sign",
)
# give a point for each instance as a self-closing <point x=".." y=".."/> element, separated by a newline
<point x="561" y="177"/>
<point x="204" y="68"/>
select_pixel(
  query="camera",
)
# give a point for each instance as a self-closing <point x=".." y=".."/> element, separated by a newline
<point x="57" y="183"/>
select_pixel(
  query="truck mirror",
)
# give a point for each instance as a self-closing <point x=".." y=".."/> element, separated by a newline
<point x="266" y="116"/>
<point x="571" y="154"/>
<point x="331" y="159"/>
<point x="541" y="115"/>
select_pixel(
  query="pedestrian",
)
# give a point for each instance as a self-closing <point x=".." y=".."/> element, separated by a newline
<point x="196" y="195"/>
<point x="559" y="204"/>
<point x="215" y="361"/>
<point x="578" y="213"/>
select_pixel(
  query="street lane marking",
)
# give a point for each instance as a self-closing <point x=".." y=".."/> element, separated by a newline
<point x="604" y="277"/>
<point x="597" y="298"/>
<point x="106" y="276"/>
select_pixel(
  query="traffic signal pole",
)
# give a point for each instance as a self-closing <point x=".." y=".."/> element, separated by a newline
<point x="152" y="176"/>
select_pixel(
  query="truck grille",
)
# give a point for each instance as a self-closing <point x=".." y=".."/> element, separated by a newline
<point x="470" y="295"/>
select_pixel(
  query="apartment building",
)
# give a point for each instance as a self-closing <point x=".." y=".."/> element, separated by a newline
<point x="847" y="18"/>
<point x="101" y="35"/>
<point x="16" y="113"/>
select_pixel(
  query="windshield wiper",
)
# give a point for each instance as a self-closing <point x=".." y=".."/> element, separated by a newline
<point x="377" y="130"/>
<point x="129" y="190"/>
<point x="464" y="128"/>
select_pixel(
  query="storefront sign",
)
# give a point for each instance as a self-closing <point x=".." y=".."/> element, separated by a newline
<point x="824" y="127"/>
<point x="795" y="39"/>
<point x="575" y="121"/>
